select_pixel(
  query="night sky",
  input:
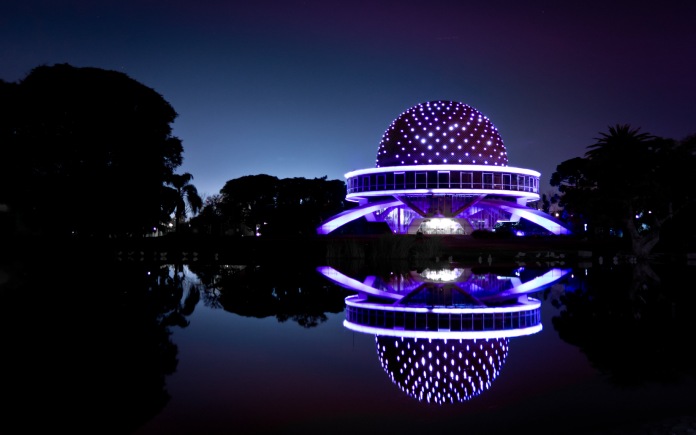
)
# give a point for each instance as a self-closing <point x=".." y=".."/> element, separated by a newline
<point x="307" y="88"/>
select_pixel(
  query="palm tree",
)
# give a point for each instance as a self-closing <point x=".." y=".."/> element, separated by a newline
<point x="186" y="196"/>
<point x="632" y="171"/>
<point x="623" y="145"/>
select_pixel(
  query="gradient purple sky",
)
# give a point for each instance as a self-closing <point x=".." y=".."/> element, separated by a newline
<point x="307" y="88"/>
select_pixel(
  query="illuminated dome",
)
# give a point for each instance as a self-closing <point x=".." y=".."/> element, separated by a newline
<point x="442" y="371"/>
<point x="442" y="169"/>
<point x="441" y="132"/>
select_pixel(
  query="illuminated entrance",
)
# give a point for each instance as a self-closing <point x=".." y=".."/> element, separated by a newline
<point x="440" y="226"/>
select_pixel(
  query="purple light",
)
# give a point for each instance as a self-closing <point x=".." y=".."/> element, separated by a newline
<point x="447" y="167"/>
<point x="441" y="371"/>
<point x="495" y="307"/>
<point x="353" y="284"/>
<point x="485" y="287"/>
<point x="409" y="177"/>
<point x="441" y="116"/>
<point x="351" y="215"/>
<point x="359" y="302"/>
<point x="444" y="335"/>
<point x="536" y="216"/>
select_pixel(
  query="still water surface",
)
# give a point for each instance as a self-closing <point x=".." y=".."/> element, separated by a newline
<point x="222" y="349"/>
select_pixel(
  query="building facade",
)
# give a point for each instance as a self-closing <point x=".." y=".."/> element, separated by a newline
<point x="442" y="168"/>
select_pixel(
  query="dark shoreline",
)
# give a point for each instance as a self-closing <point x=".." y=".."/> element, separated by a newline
<point x="318" y="249"/>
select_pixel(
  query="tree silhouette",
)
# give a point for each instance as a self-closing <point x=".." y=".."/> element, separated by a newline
<point x="105" y="337"/>
<point x="248" y="201"/>
<point x="289" y="290"/>
<point x="86" y="152"/>
<point x="628" y="184"/>
<point x="186" y="197"/>
<point x="289" y="206"/>
<point x="210" y="220"/>
<point x="631" y="322"/>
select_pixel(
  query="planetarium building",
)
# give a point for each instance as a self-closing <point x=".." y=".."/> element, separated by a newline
<point x="442" y="168"/>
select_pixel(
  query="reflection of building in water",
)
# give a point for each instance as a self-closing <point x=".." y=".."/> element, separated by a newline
<point x="442" y="334"/>
<point x="442" y="168"/>
<point x="442" y="371"/>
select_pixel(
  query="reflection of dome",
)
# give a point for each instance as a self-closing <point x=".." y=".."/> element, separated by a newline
<point x="444" y="274"/>
<point x="441" y="132"/>
<point x="451" y="287"/>
<point x="443" y="334"/>
<point x="442" y="371"/>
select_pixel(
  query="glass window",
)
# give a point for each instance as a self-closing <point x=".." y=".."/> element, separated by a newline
<point x="443" y="179"/>
<point x="487" y="180"/>
<point x="421" y="180"/>
<point x="467" y="180"/>
<point x="506" y="181"/>
<point x="399" y="180"/>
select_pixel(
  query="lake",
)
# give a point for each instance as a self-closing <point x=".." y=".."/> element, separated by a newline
<point x="154" y="348"/>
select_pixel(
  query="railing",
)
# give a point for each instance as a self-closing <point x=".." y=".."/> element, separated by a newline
<point x="424" y="321"/>
<point x="389" y="179"/>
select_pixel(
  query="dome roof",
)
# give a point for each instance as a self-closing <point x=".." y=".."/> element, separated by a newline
<point x="441" y="132"/>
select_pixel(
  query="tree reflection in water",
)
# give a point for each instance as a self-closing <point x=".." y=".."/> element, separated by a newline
<point x="284" y="290"/>
<point x="87" y="343"/>
<point x="634" y="322"/>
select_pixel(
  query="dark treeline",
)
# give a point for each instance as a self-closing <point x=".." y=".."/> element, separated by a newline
<point x="85" y="152"/>
<point x="89" y="153"/>
<point x="634" y="186"/>
<point x="268" y="206"/>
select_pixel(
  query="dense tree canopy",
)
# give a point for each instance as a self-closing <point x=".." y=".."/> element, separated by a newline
<point x="629" y="184"/>
<point x="85" y="151"/>
<point x="266" y="205"/>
